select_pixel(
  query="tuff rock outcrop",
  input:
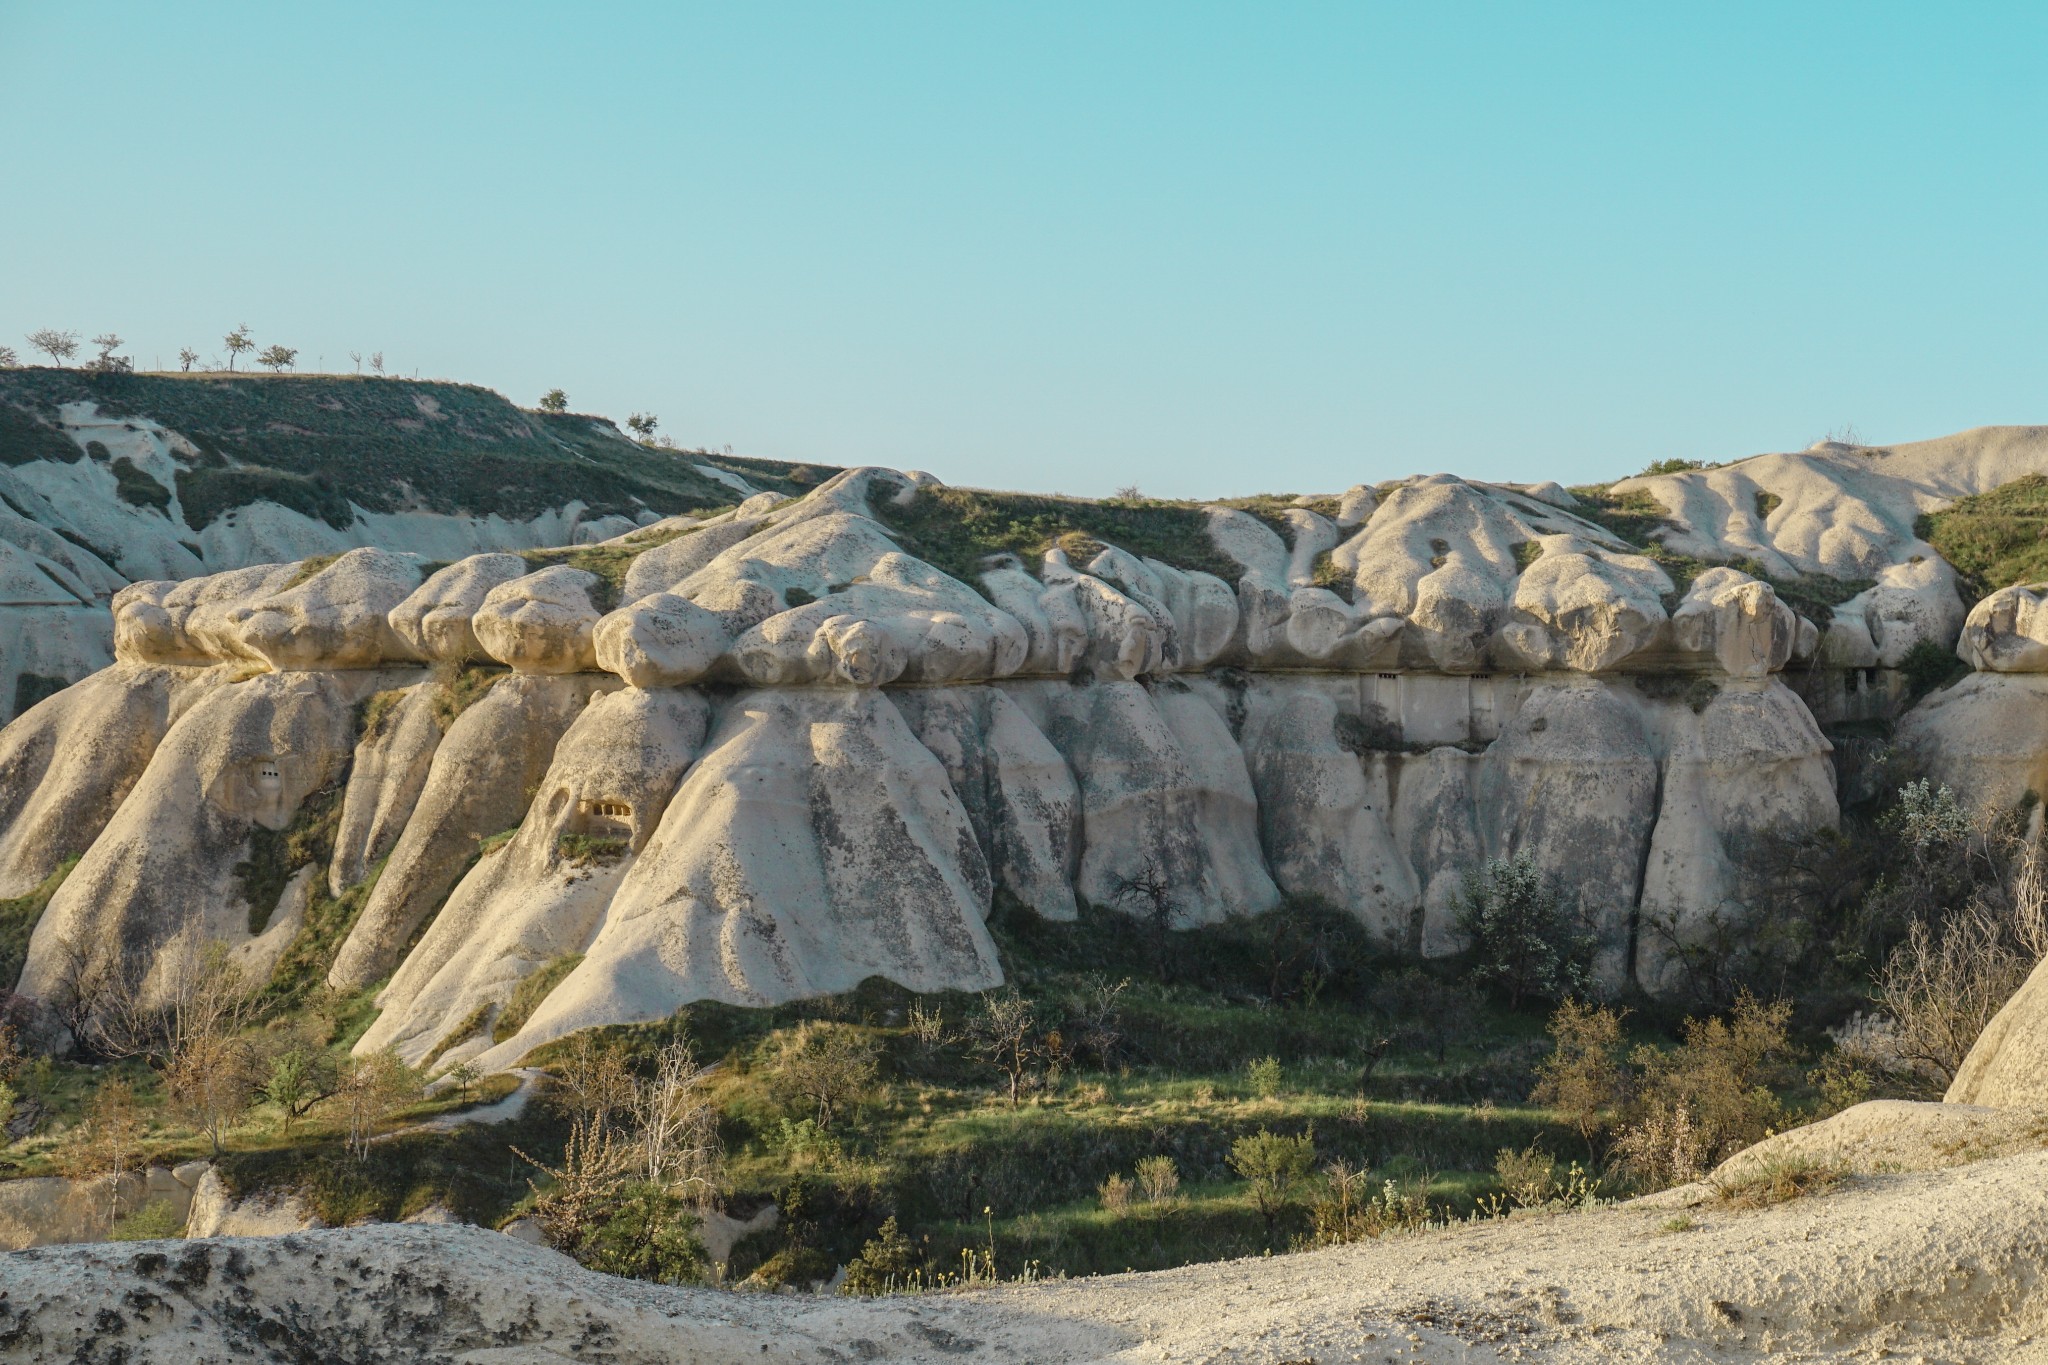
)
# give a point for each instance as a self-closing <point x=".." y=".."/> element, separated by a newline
<point x="796" y="754"/>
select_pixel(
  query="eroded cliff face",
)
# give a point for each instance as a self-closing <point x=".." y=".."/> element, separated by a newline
<point x="798" y="755"/>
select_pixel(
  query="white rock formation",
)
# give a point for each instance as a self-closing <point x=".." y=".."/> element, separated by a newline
<point x="829" y="756"/>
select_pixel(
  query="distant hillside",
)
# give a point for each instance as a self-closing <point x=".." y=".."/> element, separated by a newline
<point x="318" y="443"/>
<point x="107" y="480"/>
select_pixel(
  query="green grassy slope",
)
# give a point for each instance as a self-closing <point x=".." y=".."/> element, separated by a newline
<point x="319" y="442"/>
<point x="1995" y="539"/>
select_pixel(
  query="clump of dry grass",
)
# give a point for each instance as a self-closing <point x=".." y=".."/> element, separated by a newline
<point x="1779" y="1181"/>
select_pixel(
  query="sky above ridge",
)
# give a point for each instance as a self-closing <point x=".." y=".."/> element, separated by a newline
<point x="1203" y="249"/>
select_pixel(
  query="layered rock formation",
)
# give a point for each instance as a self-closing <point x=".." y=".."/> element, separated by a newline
<point x="774" y="752"/>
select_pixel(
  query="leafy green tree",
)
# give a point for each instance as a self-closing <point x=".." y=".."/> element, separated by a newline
<point x="825" y="1068"/>
<point x="1525" y="944"/>
<point x="642" y="425"/>
<point x="301" y="1076"/>
<point x="187" y="358"/>
<point x="276" y="358"/>
<point x="554" y="400"/>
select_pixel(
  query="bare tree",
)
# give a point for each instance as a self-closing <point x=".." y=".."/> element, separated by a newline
<point x="276" y="358"/>
<point x="98" y="998"/>
<point x="1149" y="895"/>
<point x="1943" y="984"/>
<point x="357" y="358"/>
<point x="211" y="1072"/>
<point x="678" y="1126"/>
<point x="187" y="358"/>
<point x="1004" y="1033"/>
<point x="376" y="362"/>
<point x="8" y="358"/>
<point x="59" y="346"/>
<point x="593" y="1081"/>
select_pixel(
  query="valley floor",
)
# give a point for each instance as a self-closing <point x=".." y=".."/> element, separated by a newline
<point x="1942" y="1266"/>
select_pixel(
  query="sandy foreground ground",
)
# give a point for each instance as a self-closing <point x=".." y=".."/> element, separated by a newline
<point x="1940" y="1266"/>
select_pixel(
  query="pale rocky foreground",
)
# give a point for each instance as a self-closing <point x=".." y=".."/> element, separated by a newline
<point x="1938" y="1266"/>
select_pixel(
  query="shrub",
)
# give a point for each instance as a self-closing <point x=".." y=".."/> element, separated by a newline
<point x="1943" y="985"/>
<point x="1929" y="667"/>
<point x="1345" y="1213"/>
<point x="1582" y="1077"/>
<point x="1275" y="1166"/>
<point x="1264" y="1075"/>
<point x="582" y="850"/>
<point x="886" y="1265"/>
<point x="1115" y="1193"/>
<point x="1528" y="1177"/>
<point x="600" y="1210"/>
<point x="1707" y="1099"/>
<point x="1775" y="1182"/>
<point x="1525" y="945"/>
<point x="1158" y="1179"/>
<point x="646" y="1233"/>
<point x="824" y="1068"/>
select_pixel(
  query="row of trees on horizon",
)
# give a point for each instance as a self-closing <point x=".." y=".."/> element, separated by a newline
<point x="62" y="346"/>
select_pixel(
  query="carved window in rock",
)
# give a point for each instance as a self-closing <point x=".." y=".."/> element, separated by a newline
<point x="606" y="816"/>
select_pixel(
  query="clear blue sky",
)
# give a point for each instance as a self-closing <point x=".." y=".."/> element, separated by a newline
<point x="1201" y="248"/>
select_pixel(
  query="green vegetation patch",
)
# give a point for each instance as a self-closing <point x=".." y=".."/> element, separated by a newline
<point x="954" y="529"/>
<point x="308" y="568"/>
<point x="1994" y="540"/>
<point x="18" y="917"/>
<point x="534" y="988"/>
<point x="137" y="488"/>
<point x="27" y="435"/>
<point x="275" y="854"/>
<point x="582" y="850"/>
<point x="608" y="563"/>
<point x="207" y="494"/>
<point x="461" y="686"/>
